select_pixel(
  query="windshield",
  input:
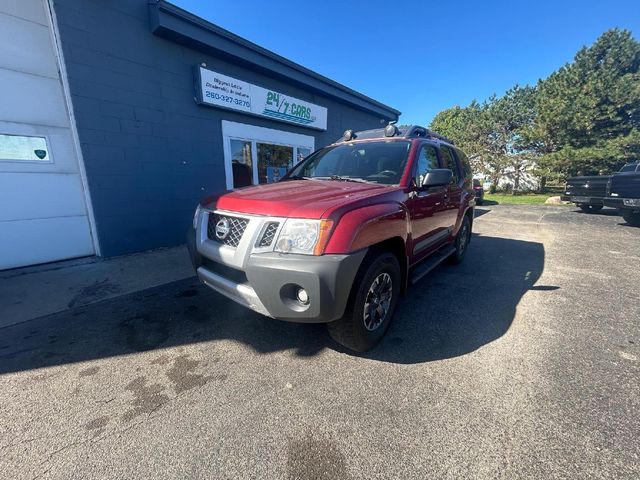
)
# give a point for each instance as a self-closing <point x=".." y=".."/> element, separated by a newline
<point x="376" y="162"/>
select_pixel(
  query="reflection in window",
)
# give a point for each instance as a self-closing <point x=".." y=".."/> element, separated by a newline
<point x="450" y="163"/>
<point x="23" y="148"/>
<point x="241" y="163"/>
<point x="427" y="161"/>
<point x="303" y="153"/>
<point x="273" y="162"/>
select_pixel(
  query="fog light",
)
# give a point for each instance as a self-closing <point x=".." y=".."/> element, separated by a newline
<point x="303" y="296"/>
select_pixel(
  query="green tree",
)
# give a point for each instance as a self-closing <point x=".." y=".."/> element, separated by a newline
<point x="491" y="133"/>
<point x="585" y="117"/>
<point x="588" y="112"/>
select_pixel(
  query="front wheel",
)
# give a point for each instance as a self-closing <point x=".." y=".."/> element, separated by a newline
<point x="372" y="302"/>
<point x="590" y="208"/>
<point x="631" y="217"/>
<point x="462" y="242"/>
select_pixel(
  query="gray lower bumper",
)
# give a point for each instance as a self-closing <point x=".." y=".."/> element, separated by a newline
<point x="274" y="278"/>
<point x="241" y="293"/>
<point x="327" y="279"/>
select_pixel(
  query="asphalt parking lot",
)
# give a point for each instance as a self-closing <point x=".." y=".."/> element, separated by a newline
<point x="524" y="361"/>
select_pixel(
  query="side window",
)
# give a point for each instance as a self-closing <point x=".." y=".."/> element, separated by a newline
<point x="466" y="165"/>
<point x="427" y="160"/>
<point x="449" y="162"/>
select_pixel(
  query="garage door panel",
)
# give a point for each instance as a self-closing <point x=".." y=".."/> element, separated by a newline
<point x="32" y="10"/>
<point x="31" y="99"/>
<point x="59" y="143"/>
<point x="27" y="242"/>
<point x="26" y="47"/>
<point x="28" y="196"/>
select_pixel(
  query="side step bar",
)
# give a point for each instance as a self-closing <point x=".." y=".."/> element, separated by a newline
<point x="430" y="263"/>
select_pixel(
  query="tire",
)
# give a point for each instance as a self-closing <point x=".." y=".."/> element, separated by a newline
<point x="461" y="242"/>
<point x="590" y="208"/>
<point x="631" y="217"/>
<point x="359" y="330"/>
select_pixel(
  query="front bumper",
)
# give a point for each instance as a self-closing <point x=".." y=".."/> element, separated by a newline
<point x="268" y="282"/>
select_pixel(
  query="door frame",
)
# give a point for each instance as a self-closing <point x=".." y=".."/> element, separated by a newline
<point x="255" y="134"/>
<point x="66" y="91"/>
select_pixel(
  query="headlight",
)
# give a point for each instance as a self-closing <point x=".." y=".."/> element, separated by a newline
<point x="631" y="202"/>
<point x="308" y="237"/>
<point x="196" y="216"/>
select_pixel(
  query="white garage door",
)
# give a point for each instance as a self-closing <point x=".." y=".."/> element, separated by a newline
<point x="43" y="211"/>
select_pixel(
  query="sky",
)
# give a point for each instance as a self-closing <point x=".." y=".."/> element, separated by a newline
<point x="425" y="56"/>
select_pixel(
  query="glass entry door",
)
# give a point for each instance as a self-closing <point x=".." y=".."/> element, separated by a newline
<point x="257" y="155"/>
<point x="273" y="162"/>
<point x="241" y="163"/>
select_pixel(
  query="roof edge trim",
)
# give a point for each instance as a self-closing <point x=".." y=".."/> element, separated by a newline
<point x="173" y="23"/>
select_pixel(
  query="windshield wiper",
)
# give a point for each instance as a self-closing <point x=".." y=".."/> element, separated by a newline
<point x="346" y="179"/>
<point x="297" y="177"/>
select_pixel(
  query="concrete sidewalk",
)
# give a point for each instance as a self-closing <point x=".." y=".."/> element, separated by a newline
<point x="33" y="292"/>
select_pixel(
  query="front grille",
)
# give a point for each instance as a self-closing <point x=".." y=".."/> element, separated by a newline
<point x="269" y="234"/>
<point x="235" y="225"/>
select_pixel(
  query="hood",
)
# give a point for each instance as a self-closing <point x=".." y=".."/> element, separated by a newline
<point x="296" y="198"/>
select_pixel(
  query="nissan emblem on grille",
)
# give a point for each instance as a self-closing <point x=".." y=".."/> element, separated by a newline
<point x="226" y="229"/>
<point x="222" y="228"/>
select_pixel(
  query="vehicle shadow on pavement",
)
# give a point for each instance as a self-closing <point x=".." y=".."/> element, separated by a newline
<point x="478" y="212"/>
<point x="458" y="309"/>
<point x="453" y="311"/>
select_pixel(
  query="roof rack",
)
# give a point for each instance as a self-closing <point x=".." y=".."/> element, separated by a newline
<point x="391" y="130"/>
<point x="412" y="131"/>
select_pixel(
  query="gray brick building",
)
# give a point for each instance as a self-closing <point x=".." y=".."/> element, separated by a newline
<point x="157" y="109"/>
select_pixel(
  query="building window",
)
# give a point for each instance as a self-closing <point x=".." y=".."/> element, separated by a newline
<point x="257" y="155"/>
<point x="241" y="163"/>
<point x="273" y="161"/>
<point x="21" y="148"/>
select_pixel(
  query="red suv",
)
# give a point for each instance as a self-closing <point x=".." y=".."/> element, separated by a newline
<point x="338" y="239"/>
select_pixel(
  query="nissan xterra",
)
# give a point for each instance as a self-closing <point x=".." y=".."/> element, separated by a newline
<point x="338" y="239"/>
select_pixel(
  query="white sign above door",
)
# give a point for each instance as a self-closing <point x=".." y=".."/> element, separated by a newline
<point x="220" y="90"/>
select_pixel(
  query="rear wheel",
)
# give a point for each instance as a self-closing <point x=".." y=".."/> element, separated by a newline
<point x="372" y="302"/>
<point x="590" y="208"/>
<point x="631" y="217"/>
<point x="462" y="242"/>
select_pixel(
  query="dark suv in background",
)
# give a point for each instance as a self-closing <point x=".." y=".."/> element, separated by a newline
<point x="479" y="191"/>
<point x="624" y="193"/>
<point x="589" y="193"/>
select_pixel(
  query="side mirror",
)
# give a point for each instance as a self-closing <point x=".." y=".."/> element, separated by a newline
<point x="437" y="178"/>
